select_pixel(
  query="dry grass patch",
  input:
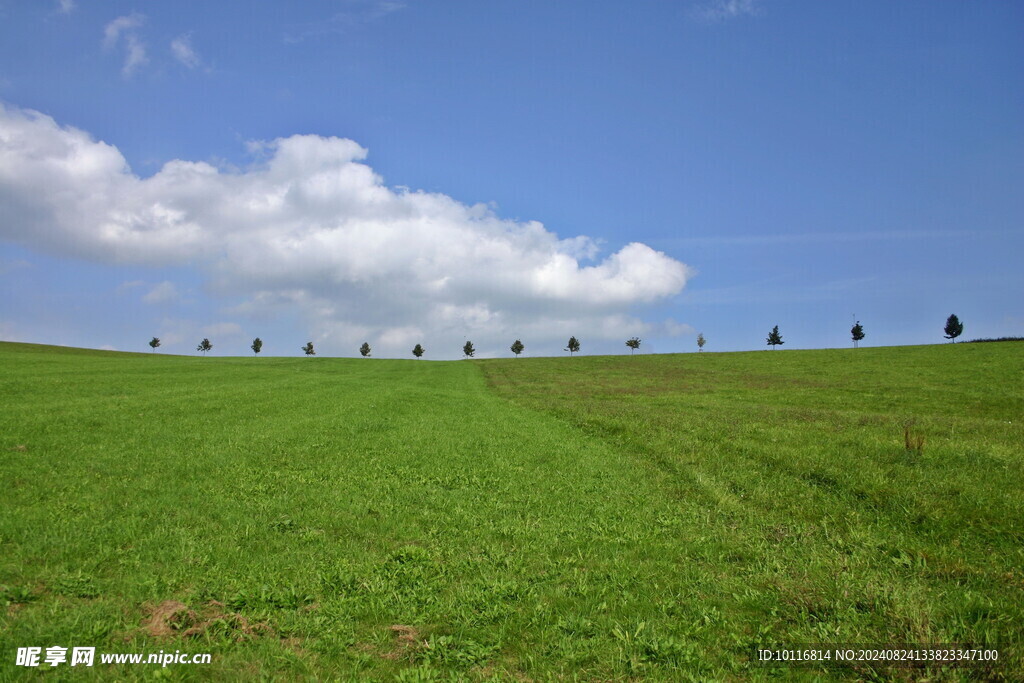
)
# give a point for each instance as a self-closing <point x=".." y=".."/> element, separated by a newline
<point x="406" y="639"/>
<point x="175" y="619"/>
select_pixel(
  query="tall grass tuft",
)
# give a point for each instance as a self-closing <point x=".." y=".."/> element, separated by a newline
<point x="913" y="441"/>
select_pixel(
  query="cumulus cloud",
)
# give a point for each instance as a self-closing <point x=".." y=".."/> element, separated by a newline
<point x="181" y="48"/>
<point x="123" y="31"/>
<point x="310" y="229"/>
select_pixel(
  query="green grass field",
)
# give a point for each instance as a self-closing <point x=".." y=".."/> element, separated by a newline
<point x="593" y="518"/>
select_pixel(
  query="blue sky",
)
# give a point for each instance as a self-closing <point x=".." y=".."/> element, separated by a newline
<point x="426" y="172"/>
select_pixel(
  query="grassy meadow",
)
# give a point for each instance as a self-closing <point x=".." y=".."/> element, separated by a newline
<point x="653" y="517"/>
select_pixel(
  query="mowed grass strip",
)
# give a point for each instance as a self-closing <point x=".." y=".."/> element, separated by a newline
<point x="329" y="517"/>
<point x="796" y="493"/>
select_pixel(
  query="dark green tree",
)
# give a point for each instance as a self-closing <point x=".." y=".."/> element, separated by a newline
<point x="468" y="350"/>
<point x="365" y="349"/>
<point x="701" y="341"/>
<point x="574" y="345"/>
<point x="257" y="346"/>
<point x="633" y="345"/>
<point x="204" y="346"/>
<point x="774" y="339"/>
<point x="308" y="348"/>
<point x="857" y="332"/>
<point x="517" y="347"/>
<point x="954" y="328"/>
<point x="418" y="351"/>
<point x="154" y="342"/>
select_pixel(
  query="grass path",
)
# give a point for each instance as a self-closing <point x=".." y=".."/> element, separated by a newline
<point x="599" y="518"/>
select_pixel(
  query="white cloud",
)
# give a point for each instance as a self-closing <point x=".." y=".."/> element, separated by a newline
<point x="65" y="6"/>
<point x="722" y="10"/>
<point x="174" y="331"/>
<point x="181" y="48"/>
<point x="222" y="330"/>
<point x="353" y="15"/>
<point x="112" y="32"/>
<point x="163" y="293"/>
<point x="312" y="230"/>
<point x="123" y="30"/>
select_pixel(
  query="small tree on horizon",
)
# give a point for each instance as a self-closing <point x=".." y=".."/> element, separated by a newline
<point x="418" y="351"/>
<point x="204" y="346"/>
<point x="468" y="350"/>
<point x="517" y="347"/>
<point x="954" y="328"/>
<point x="574" y="346"/>
<point x="308" y="349"/>
<point x="774" y="338"/>
<point x="154" y="342"/>
<point x="365" y="349"/>
<point x="257" y="346"/>
<point x="857" y="332"/>
<point x="701" y="341"/>
<point x="633" y="344"/>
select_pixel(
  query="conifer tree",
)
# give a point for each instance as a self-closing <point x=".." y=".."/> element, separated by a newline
<point x="774" y="338"/>
<point x="954" y="328"/>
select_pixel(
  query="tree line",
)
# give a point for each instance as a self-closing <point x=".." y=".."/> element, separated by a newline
<point x="953" y="329"/>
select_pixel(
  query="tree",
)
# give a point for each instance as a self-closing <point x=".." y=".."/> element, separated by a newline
<point x="468" y="350"/>
<point x="517" y="347"/>
<point x="365" y="349"/>
<point x="857" y="332"/>
<point x="954" y="328"/>
<point x="154" y="342"/>
<point x="308" y="348"/>
<point x="418" y="351"/>
<point x="257" y="345"/>
<point x="204" y="346"/>
<point x="574" y="345"/>
<point x="774" y="339"/>
<point x="701" y="341"/>
<point x="633" y="345"/>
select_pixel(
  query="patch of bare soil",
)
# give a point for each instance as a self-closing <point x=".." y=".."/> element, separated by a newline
<point x="172" y="618"/>
<point x="406" y="638"/>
